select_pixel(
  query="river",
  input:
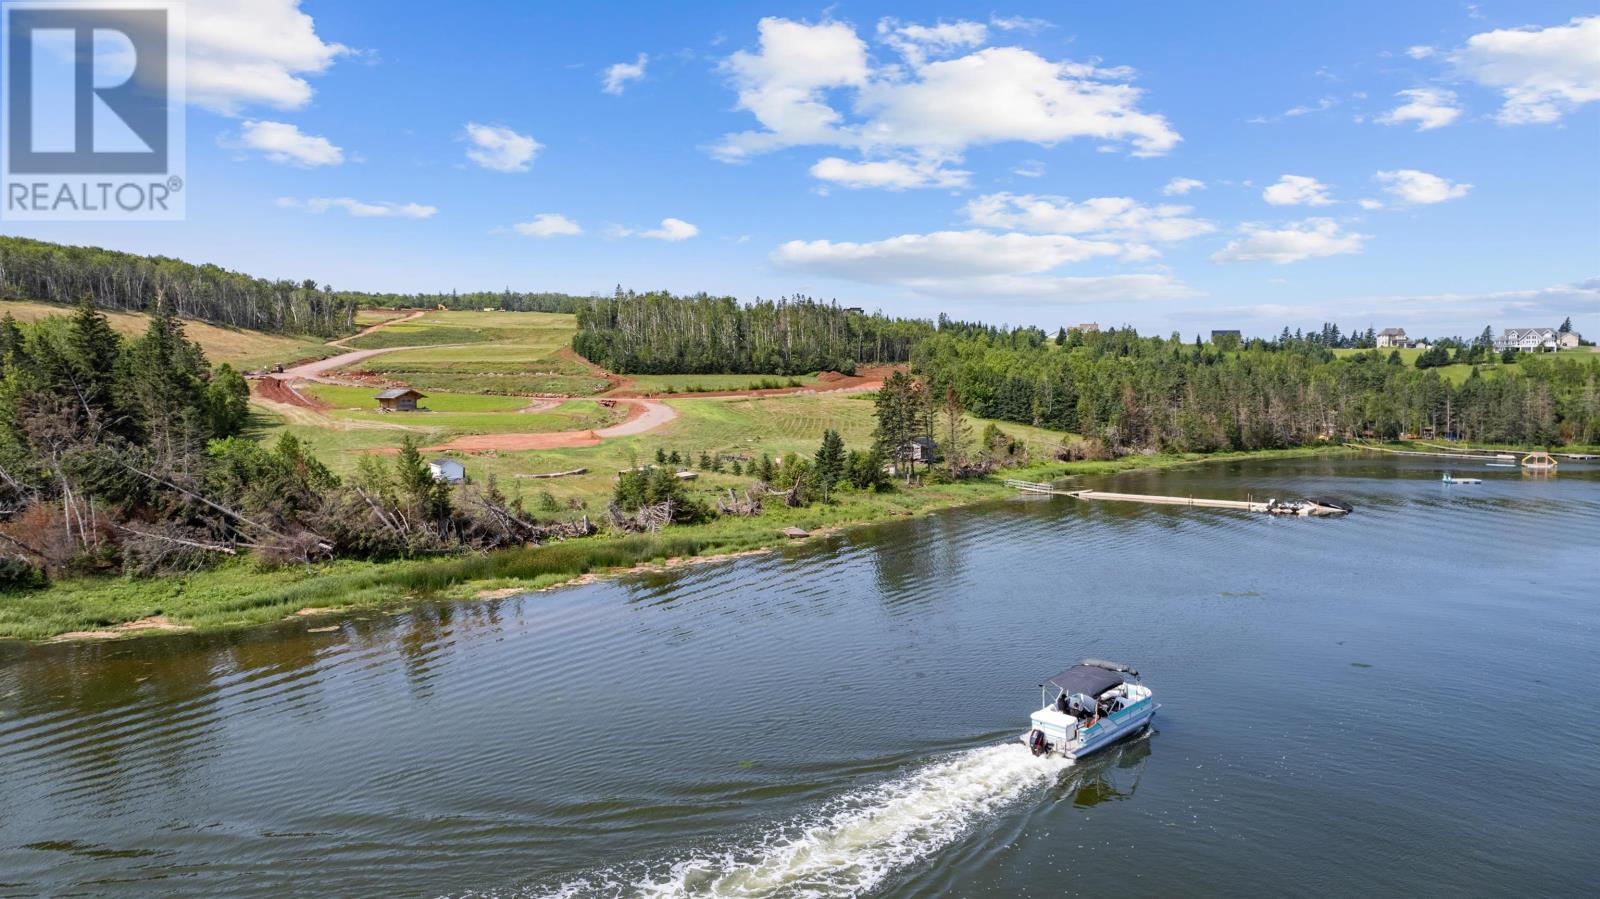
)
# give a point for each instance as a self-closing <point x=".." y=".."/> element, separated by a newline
<point x="1397" y="702"/>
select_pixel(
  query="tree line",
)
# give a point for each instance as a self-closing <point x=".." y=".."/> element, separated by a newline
<point x="1131" y="391"/>
<point x="660" y="333"/>
<point x="506" y="300"/>
<point x="57" y="273"/>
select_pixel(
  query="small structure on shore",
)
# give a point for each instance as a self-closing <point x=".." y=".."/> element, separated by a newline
<point x="447" y="470"/>
<point x="399" y="399"/>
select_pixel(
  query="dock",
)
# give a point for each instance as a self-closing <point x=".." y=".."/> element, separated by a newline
<point x="1235" y="504"/>
<point x="1395" y="452"/>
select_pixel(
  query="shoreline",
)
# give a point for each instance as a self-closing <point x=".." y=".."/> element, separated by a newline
<point x="236" y="598"/>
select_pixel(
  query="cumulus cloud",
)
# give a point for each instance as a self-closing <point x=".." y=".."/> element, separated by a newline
<point x="282" y="142"/>
<point x="1420" y="51"/>
<point x="894" y="174"/>
<point x="1177" y="187"/>
<point x="360" y="208"/>
<point x="672" y="230"/>
<point x="499" y="149"/>
<point x="1031" y="168"/>
<point x="1429" y="107"/>
<point x="1101" y="218"/>
<point x="918" y="42"/>
<point x="548" y="224"/>
<point x="976" y="263"/>
<point x="1297" y="190"/>
<point x="1542" y="73"/>
<point x="1369" y="204"/>
<point x="802" y="80"/>
<point x="617" y="76"/>
<point x="1421" y="188"/>
<point x="1294" y="242"/>
<point x="253" y="52"/>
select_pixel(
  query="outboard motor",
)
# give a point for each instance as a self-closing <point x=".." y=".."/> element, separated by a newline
<point x="1037" y="744"/>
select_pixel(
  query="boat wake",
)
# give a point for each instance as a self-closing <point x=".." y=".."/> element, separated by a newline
<point x="853" y="843"/>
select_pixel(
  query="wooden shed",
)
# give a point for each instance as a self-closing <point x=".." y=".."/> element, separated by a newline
<point x="399" y="399"/>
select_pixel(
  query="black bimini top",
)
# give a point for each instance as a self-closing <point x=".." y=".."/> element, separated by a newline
<point x="1089" y="680"/>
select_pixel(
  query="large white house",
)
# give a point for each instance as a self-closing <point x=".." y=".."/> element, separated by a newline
<point x="1528" y="340"/>
<point x="1393" y="337"/>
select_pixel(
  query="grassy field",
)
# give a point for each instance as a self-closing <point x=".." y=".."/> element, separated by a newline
<point x="360" y="399"/>
<point x="1457" y="374"/>
<point x="489" y="352"/>
<point x="236" y="346"/>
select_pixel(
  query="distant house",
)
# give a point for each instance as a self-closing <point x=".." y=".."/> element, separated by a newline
<point x="1393" y="337"/>
<point x="447" y="470"/>
<point x="399" y="399"/>
<point x="1088" y="328"/>
<point x="1527" y="340"/>
<point x="854" y="309"/>
<point x="1569" y="339"/>
<point x="923" y="449"/>
<point x="1226" y="334"/>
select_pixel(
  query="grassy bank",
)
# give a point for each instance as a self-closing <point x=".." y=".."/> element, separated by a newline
<point x="240" y="595"/>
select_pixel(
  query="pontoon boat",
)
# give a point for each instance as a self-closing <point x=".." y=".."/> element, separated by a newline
<point x="1451" y="479"/>
<point x="1096" y="704"/>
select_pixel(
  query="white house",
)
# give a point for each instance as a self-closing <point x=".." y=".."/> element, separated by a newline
<point x="1569" y="339"/>
<point x="1527" y="340"/>
<point x="1393" y="337"/>
<point x="448" y="470"/>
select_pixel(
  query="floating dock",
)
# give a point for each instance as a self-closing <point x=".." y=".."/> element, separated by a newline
<point x="1236" y="504"/>
<point x="1395" y="452"/>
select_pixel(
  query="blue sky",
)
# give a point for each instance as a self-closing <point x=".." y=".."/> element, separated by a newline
<point x="1176" y="166"/>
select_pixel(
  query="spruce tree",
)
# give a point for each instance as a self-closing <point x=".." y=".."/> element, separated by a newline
<point x="830" y="462"/>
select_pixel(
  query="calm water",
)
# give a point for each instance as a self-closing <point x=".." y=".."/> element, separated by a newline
<point x="1402" y="701"/>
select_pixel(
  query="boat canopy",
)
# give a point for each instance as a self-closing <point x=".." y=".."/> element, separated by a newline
<point x="1090" y="680"/>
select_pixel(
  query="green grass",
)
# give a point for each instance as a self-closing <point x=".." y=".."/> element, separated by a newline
<point x="502" y="353"/>
<point x="361" y="399"/>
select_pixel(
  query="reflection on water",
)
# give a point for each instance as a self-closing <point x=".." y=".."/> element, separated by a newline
<point x="841" y="718"/>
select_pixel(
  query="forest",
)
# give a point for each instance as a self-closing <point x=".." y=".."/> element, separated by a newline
<point x="57" y="273"/>
<point x="1133" y="392"/>
<point x="659" y="333"/>
<point x="506" y="300"/>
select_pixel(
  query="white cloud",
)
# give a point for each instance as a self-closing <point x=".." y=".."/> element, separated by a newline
<point x="1417" y="187"/>
<point x="282" y="142"/>
<point x="1542" y="73"/>
<point x="671" y="230"/>
<point x="1370" y="204"/>
<point x="1297" y="190"/>
<point x="1101" y="218"/>
<point x="918" y="42"/>
<point x="935" y="110"/>
<point x="499" y="149"/>
<point x="617" y="76"/>
<point x="976" y="263"/>
<point x="1420" y="51"/>
<point x="1429" y="107"/>
<point x="894" y="174"/>
<point x="1295" y="242"/>
<point x="360" y="208"/>
<point x="1177" y="187"/>
<point x="1031" y="168"/>
<point x="250" y="52"/>
<point x="548" y="224"/>
<point x="1323" y="105"/>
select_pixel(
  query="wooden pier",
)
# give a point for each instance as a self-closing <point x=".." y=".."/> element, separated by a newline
<point x="1395" y="452"/>
<point x="1235" y="504"/>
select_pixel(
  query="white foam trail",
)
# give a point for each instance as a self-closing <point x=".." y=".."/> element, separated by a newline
<point x="852" y="844"/>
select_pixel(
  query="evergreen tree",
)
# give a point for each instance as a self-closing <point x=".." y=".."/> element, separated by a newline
<point x="830" y="463"/>
<point x="764" y="469"/>
<point x="1061" y="337"/>
<point x="1566" y="326"/>
<point x="96" y="350"/>
<point x="957" y="433"/>
<point x="661" y="455"/>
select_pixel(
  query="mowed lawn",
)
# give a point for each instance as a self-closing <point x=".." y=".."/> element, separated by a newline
<point x="241" y="348"/>
<point x="1458" y="374"/>
<point x="484" y="352"/>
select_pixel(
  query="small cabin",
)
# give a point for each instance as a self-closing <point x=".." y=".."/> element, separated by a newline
<point x="447" y="470"/>
<point x="922" y="449"/>
<point x="399" y="399"/>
